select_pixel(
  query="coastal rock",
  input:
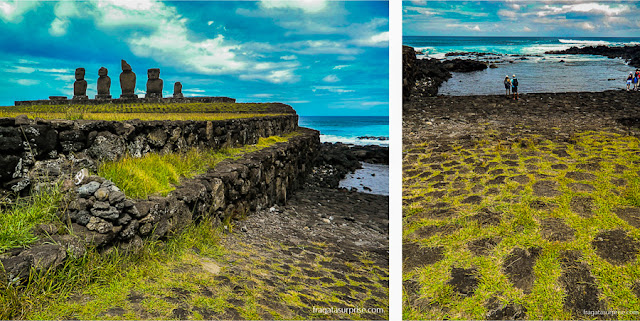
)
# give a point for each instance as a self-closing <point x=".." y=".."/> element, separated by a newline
<point x="631" y="54"/>
<point x="80" y="85"/>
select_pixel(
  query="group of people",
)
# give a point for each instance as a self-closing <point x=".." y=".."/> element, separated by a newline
<point x="511" y="86"/>
<point x="632" y="80"/>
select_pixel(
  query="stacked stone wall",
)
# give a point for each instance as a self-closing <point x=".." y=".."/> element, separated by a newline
<point x="35" y="151"/>
<point x="100" y="215"/>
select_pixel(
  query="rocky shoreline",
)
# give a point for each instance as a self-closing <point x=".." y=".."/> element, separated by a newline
<point x="423" y="77"/>
<point x="336" y="160"/>
<point x="631" y="54"/>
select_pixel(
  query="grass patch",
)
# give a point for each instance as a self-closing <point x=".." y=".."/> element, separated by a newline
<point x="143" y="108"/>
<point x="157" y="174"/>
<point x="120" y="116"/>
<point x="17" y="220"/>
<point x="600" y="166"/>
<point x="106" y="277"/>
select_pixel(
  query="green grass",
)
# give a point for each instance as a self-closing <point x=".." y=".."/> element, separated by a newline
<point x="142" y="108"/>
<point x="158" y="173"/>
<point x="18" y="220"/>
<point x="521" y="224"/>
<point x="112" y="116"/>
<point x="107" y="277"/>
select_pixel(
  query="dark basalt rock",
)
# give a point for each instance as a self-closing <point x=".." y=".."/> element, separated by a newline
<point x="631" y="54"/>
<point x="426" y="75"/>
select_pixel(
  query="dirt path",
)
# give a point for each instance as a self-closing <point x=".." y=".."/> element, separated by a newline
<point x="326" y="249"/>
<point x="522" y="210"/>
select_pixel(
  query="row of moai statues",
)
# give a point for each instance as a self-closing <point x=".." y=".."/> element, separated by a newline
<point x="127" y="84"/>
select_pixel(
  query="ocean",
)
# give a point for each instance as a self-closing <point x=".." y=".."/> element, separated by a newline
<point x="347" y="129"/>
<point x="525" y="57"/>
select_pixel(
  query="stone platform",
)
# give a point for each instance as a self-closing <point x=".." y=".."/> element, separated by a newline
<point x="57" y="100"/>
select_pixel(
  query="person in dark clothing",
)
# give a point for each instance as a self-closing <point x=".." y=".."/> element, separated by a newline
<point x="514" y="87"/>
<point x="507" y="86"/>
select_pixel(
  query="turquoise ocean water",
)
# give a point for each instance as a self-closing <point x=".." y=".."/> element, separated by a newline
<point x="347" y="129"/>
<point x="525" y="57"/>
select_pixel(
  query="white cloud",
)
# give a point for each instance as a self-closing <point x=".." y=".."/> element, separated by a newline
<point x="507" y="14"/>
<point x="59" y="27"/>
<point x="316" y="47"/>
<point x="586" y="26"/>
<point x="376" y="40"/>
<point x="21" y="70"/>
<point x="375" y="103"/>
<point x="27" y="82"/>
<point x="274" y="76"/>
<point x="12" y="10"/>
<point x="333" y="89"/>
<point x="262" y="95"/>
<point x="341" y="67"/>
<point x="526" y="29"/>
<point x="209" y="23"/>
<point x="289" y="57"/>
<point x="308" y="6"/>
<point x="331" y="78"/>
<point x="194" y="90"/>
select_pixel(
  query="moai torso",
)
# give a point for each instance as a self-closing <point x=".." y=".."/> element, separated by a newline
<point x="154" y="84"/>
<point x="127" y="81"/>
<point x="177" y="90"/>
<point x="80" y="85"/>
<point x="104" y="84"/>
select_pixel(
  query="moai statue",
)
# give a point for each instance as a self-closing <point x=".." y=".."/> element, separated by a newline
<point x="177" y="90"/>
<point x="154" y="84"/>
<point x="127" y="81"/>
<point x="104" y="84"/>
<point x="80" y="86"/>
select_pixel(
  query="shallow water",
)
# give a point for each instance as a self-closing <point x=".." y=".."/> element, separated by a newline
<point x="347" y="129"/>
<point x="379" y="184"/>
<point x="540" y="72"/>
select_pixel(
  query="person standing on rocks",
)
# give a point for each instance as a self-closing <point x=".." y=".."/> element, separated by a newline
<point x="514" y="87"/>
<point x="629" y="80"/>
<point x="507" y="86"/>
<point x="636" y="80"/>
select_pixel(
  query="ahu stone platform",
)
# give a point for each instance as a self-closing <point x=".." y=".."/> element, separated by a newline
<point x="61" y="100"/>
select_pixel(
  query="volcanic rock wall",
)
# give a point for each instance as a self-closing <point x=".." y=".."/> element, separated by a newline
<point x="34" y="151"/>
<point x="101" y="215"/>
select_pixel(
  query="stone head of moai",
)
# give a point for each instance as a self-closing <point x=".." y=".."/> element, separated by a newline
<point x="125" y="66"/>
<point x="102" y="72"/>
<point x="127" y="81"/>
<point x="153" y="73"/>
<point x="80" y="85"/>
<point x="80" y="73"/>
<point x="177" y="90"/>
<point x="154" y="84"/>
<point x="104" y="84"/>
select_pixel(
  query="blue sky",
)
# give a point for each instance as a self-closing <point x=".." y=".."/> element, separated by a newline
<point x="321" y="57"/>
<point x="522" y="18"/>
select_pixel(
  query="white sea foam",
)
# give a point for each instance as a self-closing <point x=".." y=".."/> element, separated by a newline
<point x="351" y="140"/>
<point x="585" y="42"/>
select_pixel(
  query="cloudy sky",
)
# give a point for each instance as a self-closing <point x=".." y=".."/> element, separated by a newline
<point x="321" y="57"/>
<point x="522" y="18"/>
